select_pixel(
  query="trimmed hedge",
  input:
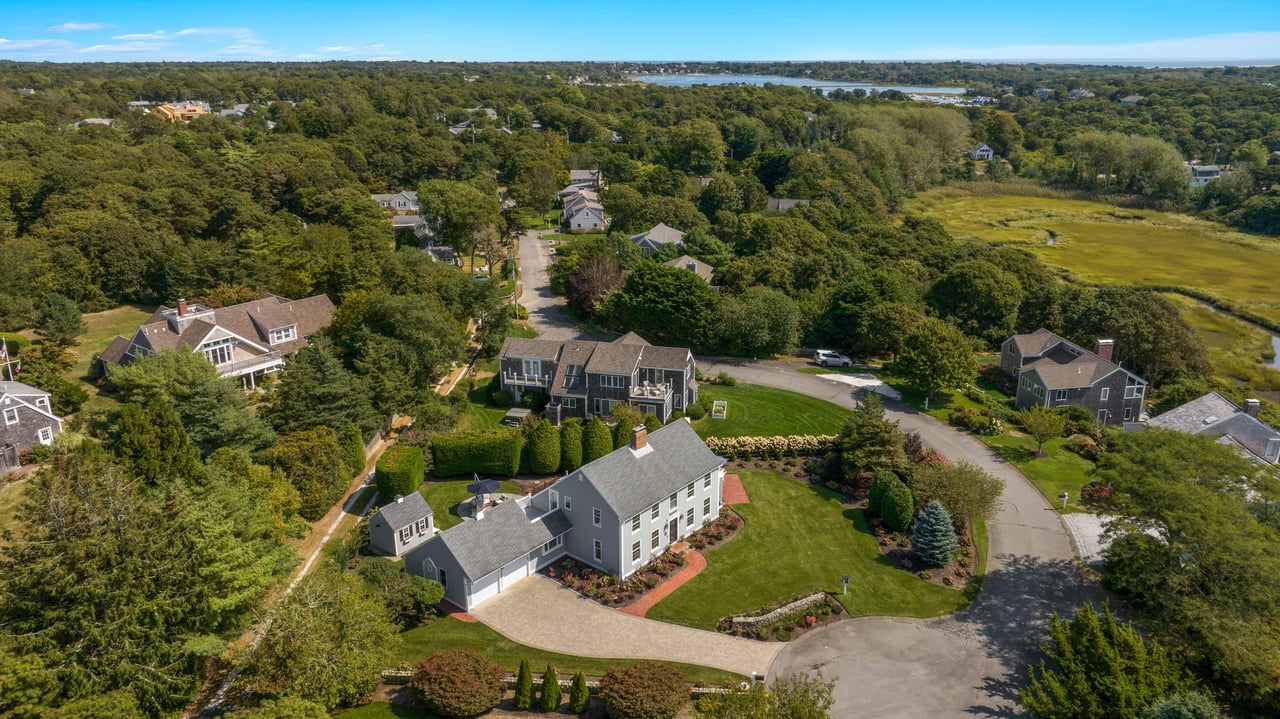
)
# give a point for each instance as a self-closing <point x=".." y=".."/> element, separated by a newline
<point x="898" y="506"/>
<point x="571" y="444"/>
<point x="879" y="485"/>
<point x="495" y="453"/>
<point x="352" y="443"/>
<point x="597" y="441"/>
<point x="399" y="471"/>
<point x="645" y="690"/>
<point x="542" y="448"/>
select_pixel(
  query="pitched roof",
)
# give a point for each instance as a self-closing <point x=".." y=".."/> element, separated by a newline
<point x="631" y="482"/>
<point x="698" y="267"/>
<point x="620" y="356"/>
<point x="406" y="510"/>
<point x="1036" y="342"/>
<point x="584" y="175"/>
<point x="631" y="338"/>
<point x="18" y="389"/>
<point x="659" y="234"/>
<point x="114" y="353"/>
<point x="783" y="203"/>
<point x="1214" y="414"/>
<point x="615" y="358"/>
<point x="1061" y="364"/>
<point x="506" y="532"/>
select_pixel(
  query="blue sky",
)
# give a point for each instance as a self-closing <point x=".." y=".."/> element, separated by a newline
<point x="78" y="30"/>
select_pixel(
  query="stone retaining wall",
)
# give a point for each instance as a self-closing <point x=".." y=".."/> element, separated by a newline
<point x="795" y="606"/>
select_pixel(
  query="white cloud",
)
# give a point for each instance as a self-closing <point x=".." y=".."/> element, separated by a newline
<point x="122" y="47"/>
<point x="157" y="35"/>
<point x="6" y="44"/>
<point x="240" y="33"/>
<point x="76" y="26"/>
<point x="336" y="48"/>
<point x="1228" y="46"/>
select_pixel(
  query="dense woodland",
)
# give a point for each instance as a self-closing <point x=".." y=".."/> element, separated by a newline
<point x="96" y="609"/>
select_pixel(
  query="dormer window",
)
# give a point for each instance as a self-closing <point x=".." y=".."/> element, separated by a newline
<point x="42" y="402"/>
<point x="284" y="334"/>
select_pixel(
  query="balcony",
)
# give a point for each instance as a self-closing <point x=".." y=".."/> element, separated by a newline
<point x="647" y="390"/>
<point x="262" y="363"/>
<point x="538" y="380"/>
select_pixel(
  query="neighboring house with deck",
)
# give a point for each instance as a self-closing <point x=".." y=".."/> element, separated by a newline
<point x="247" y="341"/>
<point x="586" y="179"/>
<point x="401" y="525"/>
<point x="585" y="379"/>
<point x="1053" y="372"/>
<point x="26" y="419"/>
<point x="615" y="514"/>
<point x="1238" y="427"/>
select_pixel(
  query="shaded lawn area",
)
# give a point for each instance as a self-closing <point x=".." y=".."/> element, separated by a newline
<point x="444" y="498"/>
<point x="1061" y="471"/>
<point x="10" y="499"/>
<point x="384" y="710"/>
<point x="797" y="538"/>
<point x="764" y="411"/>
<point x="479" y="414"/>
<point x="450" y="633"/>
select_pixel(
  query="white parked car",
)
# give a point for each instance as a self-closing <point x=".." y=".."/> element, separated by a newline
<point x="827" y="358"/>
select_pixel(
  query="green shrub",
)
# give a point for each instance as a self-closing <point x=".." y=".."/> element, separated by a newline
<point x="897" y="507"/>
<point x="524" y="687"/>
<point x="541" y="447"/>
<point x="571" y="444"/>
<point x="882" y="481"/>
<point x="726" y="379"/>
<point x="352" y="443"/>
<point x="696" y="411"/>
<point x="399" y="471"/>
<point x="15" y="343"/>
<point x="596" y="440"/>
<point x="459" y="683"/>
<point x="644" y="690"/>
<point x="652" y="423"/>
<point x="579" y="694"/>
<point x="500" y="398"/>
<point x="495" y="452"/>
<point x="550" y="695"/>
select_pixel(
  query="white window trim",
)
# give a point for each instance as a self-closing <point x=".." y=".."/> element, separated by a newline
<point x="635" y="552"/>
<point x="568" y="503"/>
<point x="689" y="491"/>
<point x="596" y="516"/>
<point x="597" y="550"/>
<point x="706" y="508"/>
<point x="10" y="411"/>
<point x="635" y="523"/>
<point x="655" y="539"/>
<point x="706" y="482"/>
<point x="1104" y="394"/>
<point x="45" y="435"/>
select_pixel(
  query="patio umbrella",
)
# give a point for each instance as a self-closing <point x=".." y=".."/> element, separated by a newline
<point x="483" y="486"/>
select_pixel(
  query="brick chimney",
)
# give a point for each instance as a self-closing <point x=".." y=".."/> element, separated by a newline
<point x="1104" y="348"/>
<point x="1251" y="407"/>
<point x="182" y="307"/>
<point x="639" y="438"/>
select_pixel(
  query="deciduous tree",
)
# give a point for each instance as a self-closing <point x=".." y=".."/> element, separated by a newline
<point x="935" y="357"/>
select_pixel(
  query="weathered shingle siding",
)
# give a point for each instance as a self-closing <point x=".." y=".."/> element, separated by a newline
<point x="26" y="433"/>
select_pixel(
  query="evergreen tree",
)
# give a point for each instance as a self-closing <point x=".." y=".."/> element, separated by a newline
<point x="524" y="687"/>
<point x="152" y="442"/>
<point x="550" y="695"/>
<point x="570" y="444"/>
<point x="58" y="320"/>
<point x="541" y="448"/>
<point x="596" y="440"/>
<point x="869" y="442"/>
<point x="317" y="390"/>
<point x="881" y="483"/>
<point x="352" y="443"/>
<point x="579" y="694"/>
<point x="1192" y="705"/>
<point x="933" y="538"/>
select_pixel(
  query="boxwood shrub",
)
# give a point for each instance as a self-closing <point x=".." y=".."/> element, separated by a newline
<point x="493" y="453"/>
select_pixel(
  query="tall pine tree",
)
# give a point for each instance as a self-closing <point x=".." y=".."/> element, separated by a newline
<point x="317" y="390"/>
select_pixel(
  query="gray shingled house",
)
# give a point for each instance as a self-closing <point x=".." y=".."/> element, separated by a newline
<point x="694" y="265"/>
<point x="658" y="236"/>
<point x="1053" y="372"/>
<point x="583" y="378"/>
<point x="401" y="525"/>
<point x="1237" y="427"/>
<point x="246" y="341"/>
<point x="615" y="514"/>
<point x="26" y="419"/>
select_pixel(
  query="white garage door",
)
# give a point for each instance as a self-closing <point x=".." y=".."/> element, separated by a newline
<point x="514" y="572"/>
<point x="484" y="589"/>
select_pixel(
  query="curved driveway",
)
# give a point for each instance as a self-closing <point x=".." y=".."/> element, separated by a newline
<point x="971" y="663"/>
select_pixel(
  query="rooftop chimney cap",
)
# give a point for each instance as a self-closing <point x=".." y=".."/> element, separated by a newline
<point x="1251" y="407"/>
<point x="639" y="437"/>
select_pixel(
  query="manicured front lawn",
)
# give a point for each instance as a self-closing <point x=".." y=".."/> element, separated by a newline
<point x="450" y="633"/>
<point x="764" y="411"/>
<point x="1061" y="471"/>
<point x="797" y="538"/>
<point x="444" y="498"/>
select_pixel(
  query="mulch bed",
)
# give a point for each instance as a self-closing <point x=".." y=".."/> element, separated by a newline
<point x="896" y="546"/>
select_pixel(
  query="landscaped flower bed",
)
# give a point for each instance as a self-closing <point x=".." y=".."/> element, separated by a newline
<point x="607" y="588"/>
<point x="769" y="624"/>
<point x="724" y="527"/>
<point x="896" y="547"/>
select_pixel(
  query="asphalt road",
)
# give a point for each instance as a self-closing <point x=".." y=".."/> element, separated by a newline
<point x="969" y="664"/>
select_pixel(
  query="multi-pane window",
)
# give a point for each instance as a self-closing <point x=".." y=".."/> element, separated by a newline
<point x="688" y="491"/>
<point x="597" y="549"/>
<point x="613" y="381"/>
<point x="706" y="482"/>
<point x="284" y="334"/>
<point x="569" y="402"/>
<point x="635" y="551"/>
<point x="568" y="502"/>
<point x="673" y="500"/>
<point x="553" y="544"/>
<point x="10" y="415"/>
<point x="406" y="534"/>
<point x="706" y="507"/>
<point x="219" y="352"/>
<point x="635" y="523"/>
<point x="45" y="435"/>
<point x="688" y="518"/>
<point x="1104" y="394"/>
<point x="422" y="526"/>
<point x="595" y="516"/>
<point x="654" y="540"/>
<point x="444" y="580"/>
<point x="653" y="512"/>
<point x="1133" y="392"/>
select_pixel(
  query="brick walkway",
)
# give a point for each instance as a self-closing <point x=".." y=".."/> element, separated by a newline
<point x="734" y="492"/>
<point x="452" y="610"/>
<point x="693" y="565"/>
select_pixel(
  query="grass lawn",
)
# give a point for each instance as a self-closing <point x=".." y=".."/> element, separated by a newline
<point x="444" y="498"/>
<point x="797" y="538"/>
<point x="450" y="633"/>
<point x="384" y="710"/>
<point x="1101" y="243"/>
<point x="1061" y="471"/>
<point x="765" y="411"/>
<point x="10" y="498"/>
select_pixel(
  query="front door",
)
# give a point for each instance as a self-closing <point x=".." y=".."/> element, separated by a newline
<point x="674" y="531"/>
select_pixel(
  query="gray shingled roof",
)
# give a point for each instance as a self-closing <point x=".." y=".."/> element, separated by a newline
<point x="665" y="357"/>
<point x="699" y="267"/>
<point x="1213" y="414"/>
<point x="19" y="389"/>
<point x="783" y="203"/>
<point x="615" y="358"/>
<point x="620" y="356"/>
<point x="406" y="510"/>
<point x="632" y="483"/>
<point x="659" y="234"/>
<point x="530" y="349"/>
<point x="1036" y="342"/>
<point x="1063" y="364"/>
<point x="506" y="532"/>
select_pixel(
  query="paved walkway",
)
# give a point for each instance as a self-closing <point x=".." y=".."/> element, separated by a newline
<point x="694" y="563"/>
<point x="734" y="492"/>
<point x="541" y="613"/>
